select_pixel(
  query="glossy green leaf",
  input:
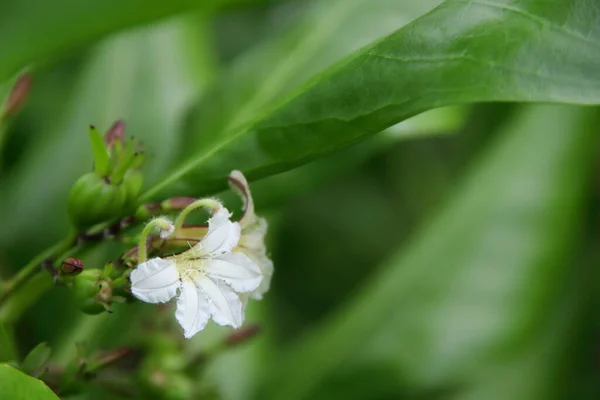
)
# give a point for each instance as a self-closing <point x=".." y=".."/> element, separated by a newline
<point x="35" y="30"/>
<point x="461" y="52"/>
<point x="325" y="33"/>
<point x="15" y="385"/>
<point x="478" y="283"/>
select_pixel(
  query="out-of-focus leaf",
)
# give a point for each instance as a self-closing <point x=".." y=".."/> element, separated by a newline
<point x="7" y="351"/>
<point x="477" y="284"/>
<point x="147" y="78"/>
<point x="325" y="33"/>
<point x="275" y="189"/>
<point x="36" y="358"/>
<point x="15" y="385"/>
<point x="461" y="52"/>
<point x="33" y="30"/>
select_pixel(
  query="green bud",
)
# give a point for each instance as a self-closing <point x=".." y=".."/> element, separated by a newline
<point x="92" y="293"/>
<point x="132" y="182"/>
<point x="112" y="189"/>
<point x="93" y="200"/>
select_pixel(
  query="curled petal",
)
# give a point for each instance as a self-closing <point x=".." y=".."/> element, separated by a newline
<point x="236" y="269"/>
<point x="192" y="309"/>
<point x="155" y="281"/>
<point x="239" y="184"/>
<point x="225" y="305"/>
<point x="223" y="235"/>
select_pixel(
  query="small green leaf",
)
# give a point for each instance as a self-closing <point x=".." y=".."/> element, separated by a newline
<point x="100" y="152"/>
<point x="15" y="385"/>
<point x="7" y="350"/>
<point x="36" y="359"/>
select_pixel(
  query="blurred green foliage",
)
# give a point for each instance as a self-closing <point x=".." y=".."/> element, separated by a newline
<point x="451" y="255"/>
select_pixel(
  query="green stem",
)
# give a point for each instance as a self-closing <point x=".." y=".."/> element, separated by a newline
<point x="28" y="284"/>
<point x="163" y="224"/>
<point x="210" y="204"/>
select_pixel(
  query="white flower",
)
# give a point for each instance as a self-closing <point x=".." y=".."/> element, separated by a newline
<point x="254" y="230"/>
<point x="208" y="277"/>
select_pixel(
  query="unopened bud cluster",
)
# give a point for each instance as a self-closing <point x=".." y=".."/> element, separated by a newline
<point x="111" y="190"/>
<point x="94" y="289"/>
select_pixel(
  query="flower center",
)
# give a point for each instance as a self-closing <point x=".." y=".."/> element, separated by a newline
<point x="188" y="270"/>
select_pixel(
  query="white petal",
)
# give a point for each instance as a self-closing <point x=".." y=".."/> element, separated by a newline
<point x="223" y="235"/>
<point x="155" y="281"/>
<point x="253" y="237"/>
<point x="225" y="305"/>
<point x="266" y="268"/>
<point x="192" y="309"/>
<point x="236" y="269"/>
<point x="239" y="184"/>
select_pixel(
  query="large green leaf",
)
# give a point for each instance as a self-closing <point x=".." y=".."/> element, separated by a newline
<point x="33" y="30"/>
<point x="474" y="289"/>
<point x="15" y="385"/>
<point x="325" y="33"/>
<point x="461" y="52"/>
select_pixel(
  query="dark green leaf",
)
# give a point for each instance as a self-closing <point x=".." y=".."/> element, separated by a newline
<point x="461" y="52"/>
<point x="475" y="288"/>
<point x="33" y="30"/>
<point x="15" y="385"/>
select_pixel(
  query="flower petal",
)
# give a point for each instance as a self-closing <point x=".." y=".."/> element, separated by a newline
<point x="192" y="309"/>
<point x="239" y="184"/>
<point x="155" y="281"/>
<point x="235" y="269"/>
<point x="225" y="305"/>
<point x="253" y="237"/>
<point x="266" y="267"/>
<point x="223" y="235"/>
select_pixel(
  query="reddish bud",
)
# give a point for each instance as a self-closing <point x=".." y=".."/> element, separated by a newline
<point x="18" y="95"/>
<point x="71" y="266"/>
<point x="242" y="335"/>
<point x="115" y="133"/>
<point x="108" y="358"/>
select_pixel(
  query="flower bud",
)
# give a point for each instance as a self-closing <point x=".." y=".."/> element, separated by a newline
<point x="112" y="189"/>
<point x="91" y="292"/>
<point x="93" y="200"/>
<point x="242" y="335"/>
<point x="71" y="267"/>
<point x="17" y="96"/>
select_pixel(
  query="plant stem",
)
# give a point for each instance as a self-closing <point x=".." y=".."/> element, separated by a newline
<point x="29" y="279"/>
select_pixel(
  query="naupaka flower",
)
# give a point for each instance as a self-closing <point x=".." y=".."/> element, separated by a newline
<point x="253" y="232"/>
<point x="208" y="279"/>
